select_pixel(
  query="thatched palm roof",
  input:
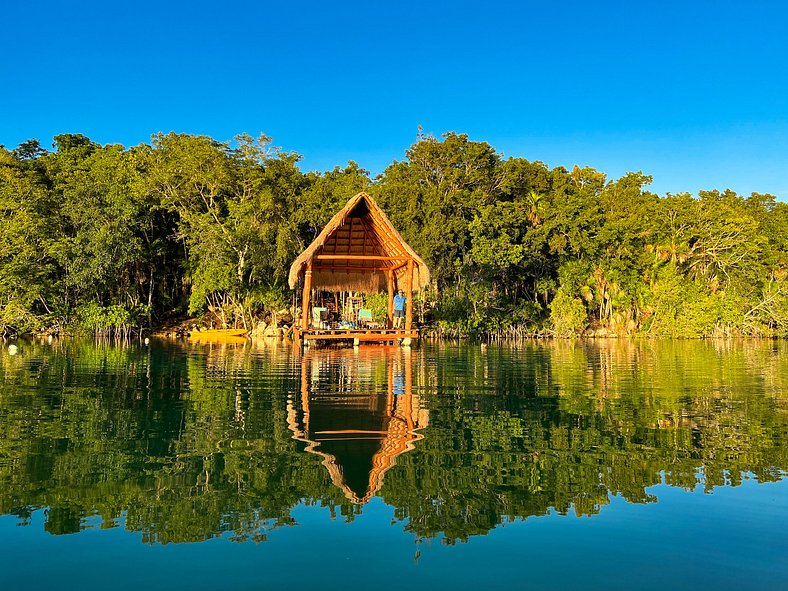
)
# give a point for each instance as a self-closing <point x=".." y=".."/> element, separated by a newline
<point x="360" y="229"/>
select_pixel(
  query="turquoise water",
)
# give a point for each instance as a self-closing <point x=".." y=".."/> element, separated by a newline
<point x="248" y="466"/>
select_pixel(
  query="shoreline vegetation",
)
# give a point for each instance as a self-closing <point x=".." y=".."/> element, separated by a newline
<point x="119" y="241"/>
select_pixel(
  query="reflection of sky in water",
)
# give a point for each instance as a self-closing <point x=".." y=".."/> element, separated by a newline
<point x="676" y="543"/>
<point x="399" y="383"/>
<point x="502" y="449"/>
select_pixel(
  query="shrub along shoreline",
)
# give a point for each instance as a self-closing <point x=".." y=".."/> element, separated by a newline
<point x="113" y="240"/>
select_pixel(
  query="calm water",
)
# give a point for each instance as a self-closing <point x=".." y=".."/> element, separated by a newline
<point x="610" y="465"/>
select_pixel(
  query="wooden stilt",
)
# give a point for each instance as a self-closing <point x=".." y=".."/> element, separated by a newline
<point x="390" y="308"/>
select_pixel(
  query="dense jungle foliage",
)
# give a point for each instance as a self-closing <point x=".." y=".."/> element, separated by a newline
<point x="113" y="239"/>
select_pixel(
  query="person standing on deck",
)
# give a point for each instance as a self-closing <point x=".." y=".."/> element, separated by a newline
<point x="399" y="308"/>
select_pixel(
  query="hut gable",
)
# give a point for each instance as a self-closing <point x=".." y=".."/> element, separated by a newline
<point x="356" y="251"/>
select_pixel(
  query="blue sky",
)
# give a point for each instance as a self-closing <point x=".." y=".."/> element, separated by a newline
<point x="693" y="93"/>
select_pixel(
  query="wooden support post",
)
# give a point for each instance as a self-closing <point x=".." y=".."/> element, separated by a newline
<point x="409" y="296"/>
<point x="305" y="296"/>
<point x="390" y="308"/>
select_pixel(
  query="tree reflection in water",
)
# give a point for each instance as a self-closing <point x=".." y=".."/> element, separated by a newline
<point x="188" y="442"/>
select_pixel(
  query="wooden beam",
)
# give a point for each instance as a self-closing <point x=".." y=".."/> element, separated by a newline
<point x="400" y="265"/>
<point x="305" y="296"/>
<point x="409" y="296"/>
<point x="357" y="257"/>
<point x="380" y="228"/>
<point x="349" y="268"/>
<point x="373" y="235"/>
<point x="372" y="337"/>
<point x="390" y="307"/>
<point x="350" y="236"/>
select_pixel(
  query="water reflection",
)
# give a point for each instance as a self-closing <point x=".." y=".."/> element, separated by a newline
<point x="185" y="442"/>
<point x="358" y="412"/>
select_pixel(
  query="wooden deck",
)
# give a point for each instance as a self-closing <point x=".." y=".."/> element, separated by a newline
<point x="367" y="335"/>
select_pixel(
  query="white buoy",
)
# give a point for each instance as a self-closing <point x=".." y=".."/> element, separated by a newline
<point x="147" y="341"/>
<point x="50" y="339"/>
<point x="12" y="349"/>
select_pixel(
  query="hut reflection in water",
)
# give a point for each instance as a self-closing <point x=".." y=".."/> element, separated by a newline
<point x="357" y="411"/>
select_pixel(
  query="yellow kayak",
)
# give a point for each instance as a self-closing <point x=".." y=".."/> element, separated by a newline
<point x="217" y="334"/>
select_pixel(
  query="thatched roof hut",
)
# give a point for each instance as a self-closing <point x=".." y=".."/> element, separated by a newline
<point x="357" y="250"/>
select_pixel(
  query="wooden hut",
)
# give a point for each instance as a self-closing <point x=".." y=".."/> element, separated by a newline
<point x="359" y="251"/>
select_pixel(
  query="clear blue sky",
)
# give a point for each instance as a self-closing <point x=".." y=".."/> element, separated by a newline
<point x="694" y="93"/>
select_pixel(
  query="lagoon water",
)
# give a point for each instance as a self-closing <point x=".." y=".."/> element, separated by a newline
<point x="594" y="465"/>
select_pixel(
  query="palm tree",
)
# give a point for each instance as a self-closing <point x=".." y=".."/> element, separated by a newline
<point x="532" y="200"/>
